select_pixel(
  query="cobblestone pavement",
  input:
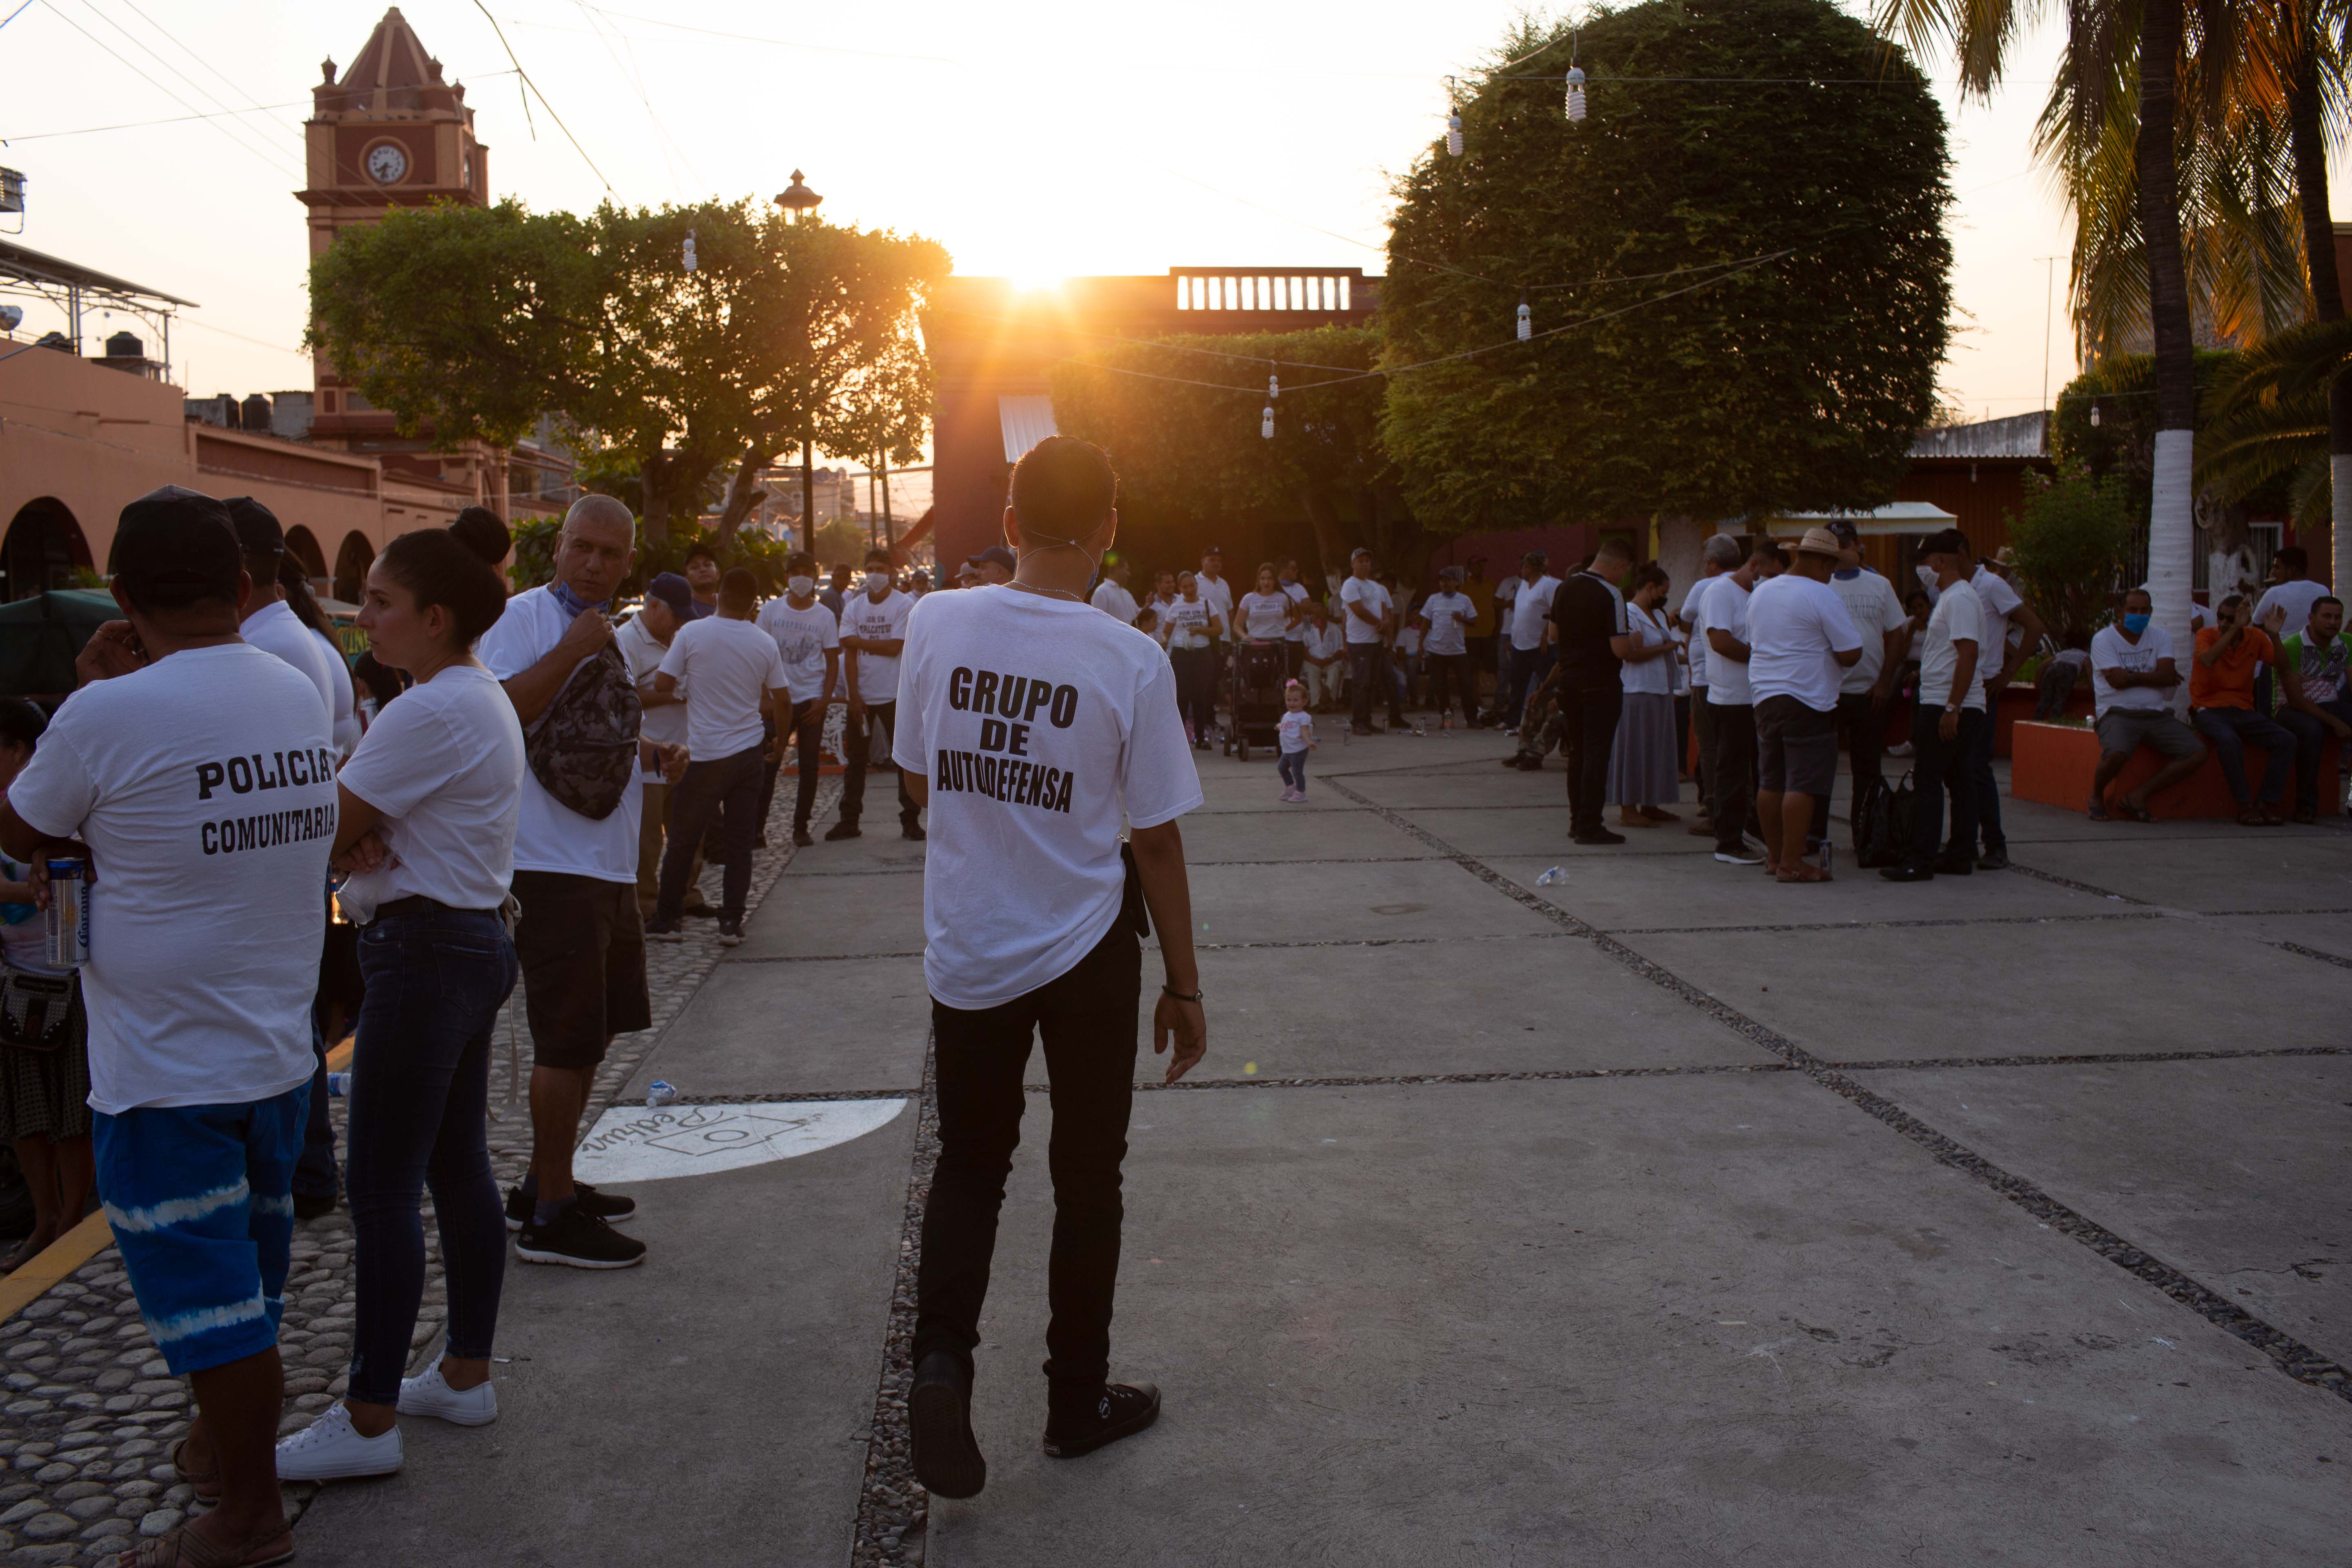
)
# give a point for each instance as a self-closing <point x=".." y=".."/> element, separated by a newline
<point x="91" y="1413"/>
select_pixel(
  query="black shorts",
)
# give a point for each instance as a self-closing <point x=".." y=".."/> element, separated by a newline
<point x="1796" y="747"/>
<point x="583" y="946"/>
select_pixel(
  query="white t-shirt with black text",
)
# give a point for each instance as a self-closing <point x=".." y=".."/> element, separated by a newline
<point x="1795" y="626"/>
<point x="877" y="674"/>
<point x="728" y="665"/>
<point x="205" y="786"/>
<point x="1266" y="617"/>
<point x="1870" y="603"/>
<point x="1725" y="609"/>
<point x="445" y="766"/>
<point x="801" y="636"/>
<point x="1040" y="723"/>
<point x="1374" y="598"/>
<point x="549" y="835"/>
<point x="2110" y="649"/>
<point x="1445" y="633"/>
<point x="1184" y="622"/>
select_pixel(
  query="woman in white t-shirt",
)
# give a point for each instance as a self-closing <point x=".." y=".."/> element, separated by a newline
<point x="1266" y="614"/>
<point x="1190" y="625"/>
<point x="427" y="807"/>
<point x="1642" y="773"/>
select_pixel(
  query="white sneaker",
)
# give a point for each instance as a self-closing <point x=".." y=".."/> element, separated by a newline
<point x="431" y="1395"/>
<point x="331" y="1449"/>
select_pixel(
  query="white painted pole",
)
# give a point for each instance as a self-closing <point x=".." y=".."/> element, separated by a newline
<point x="2171" y="535"/>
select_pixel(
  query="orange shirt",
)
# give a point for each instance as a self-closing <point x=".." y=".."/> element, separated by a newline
<point x="2229" y="681"/>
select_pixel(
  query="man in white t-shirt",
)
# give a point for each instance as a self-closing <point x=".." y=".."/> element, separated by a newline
<point x="2133" y="678"/>
<point x="733" y="673"/>
<point x="196" y="773"/>
<point x="873" y="631"/>
<point x="809" y="636"/>
<point x="2003" y="608"/>
<point x="271" y="626"/>
<point x="579" y="938"/>
<point x="1445" y="618"/>
<point x="1722" y="552"/>
<point x="2292" y="589"/>
<point x="1111" y="596"/>
<point x="1370" y="616"/>
<point x="1031" y="725"/>
<point x="670" y="604"/>
<point x="1731" y="719"/>
<point x="1528" y="623"/>
<point x="1801" y="641"/>
<point x="1868" y="684"/>
<point x="1322" y="657"/>
<point x="1951" y="709"/>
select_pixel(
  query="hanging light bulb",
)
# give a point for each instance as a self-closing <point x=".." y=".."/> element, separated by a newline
<point x="1452" y="123"/>
<point x="2094" y="415"/>
<point x="1272" y="387"/>
<point x="1265" y="424"/>
<point x="1575" y="95"/>
<point x="689" y="250"/>
<point x="1526" y="320"/>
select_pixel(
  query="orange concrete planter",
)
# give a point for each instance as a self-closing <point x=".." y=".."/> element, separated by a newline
<point x="2054" y="764"/>
<point x="2018" y="701"/>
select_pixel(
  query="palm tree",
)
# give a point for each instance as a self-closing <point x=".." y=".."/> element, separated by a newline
<point x="2117" y="52"/>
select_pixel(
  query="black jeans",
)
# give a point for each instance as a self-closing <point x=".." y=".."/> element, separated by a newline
<point x="1938" y="765"/>
<point x="1453" y="675"/>
<point x="1196" y="679"/>
<point x="1588" y="718"/>
<point x="2229" y="731"/>
<point x="1088" y="1017"/>
<point x="859" y="740"/>
<point x="808" y="733"/>
<point x="1865" y="735"/>
<point x="729" y="787"/>
<point x="1702" y="723"/>
<point x="420" y="1103"/>
<point x="2310" y="736"/>
<point x="1367" y="675"/>
<point x="1988" y="788"/>
<point x="1730" y="736"/>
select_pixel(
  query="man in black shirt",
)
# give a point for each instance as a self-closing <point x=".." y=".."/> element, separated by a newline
<point x="1589" y="614"/>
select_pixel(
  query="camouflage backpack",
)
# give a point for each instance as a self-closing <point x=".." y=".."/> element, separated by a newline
<point x="584" y="752"/>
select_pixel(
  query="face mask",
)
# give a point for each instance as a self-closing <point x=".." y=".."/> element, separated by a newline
<point x="1926" y="575"/>
<point x="875" y="582"/>
<point x="2136" y="623"/>
<point x="800" y="587"/>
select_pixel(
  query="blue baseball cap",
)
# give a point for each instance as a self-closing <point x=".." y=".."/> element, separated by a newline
<point x="674" y="590"/>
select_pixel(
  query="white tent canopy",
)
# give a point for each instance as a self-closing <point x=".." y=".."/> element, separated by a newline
<point x="1896" y="518"/>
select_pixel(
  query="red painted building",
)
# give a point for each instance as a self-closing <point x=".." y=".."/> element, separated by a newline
<point x="991" y="343"/>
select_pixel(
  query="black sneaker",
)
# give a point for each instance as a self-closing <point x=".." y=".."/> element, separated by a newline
<point x="802" y="836"/>
<point x="313" y="1206"/>
<point x="1124" y="1410"/>
<point x="578" y="1239"/>
<point x="913" y="830"/>
<point x="845" y="828"/>
<point x="610" y="1207"/>
<point x="731" y="932"/>
<point x="1907" y="873"/>
<point x="664" y="928"/>
<point x="1993" y="861"/>
<point x="1596" y="836"/>
<point x="947" y="1460"/>
<point x="701" y="911"/>
<point x="1954" y="866"/>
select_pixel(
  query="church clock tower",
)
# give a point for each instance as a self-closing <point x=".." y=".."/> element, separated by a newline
<point x="389" y="133"/>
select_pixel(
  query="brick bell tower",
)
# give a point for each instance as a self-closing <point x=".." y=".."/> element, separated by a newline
<point x="390" y="133"/>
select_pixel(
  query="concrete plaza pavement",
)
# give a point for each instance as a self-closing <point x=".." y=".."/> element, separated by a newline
<point x="1659" y="1215"/>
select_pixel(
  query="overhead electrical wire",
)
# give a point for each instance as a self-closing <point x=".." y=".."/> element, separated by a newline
<point x="664" y="142"/>
<point x="153" y="54"/>
<point x="531" y="85"/>
<point x="59" y="14"/>
<point x="181" y="119"/>
<point x="200" y="59"/>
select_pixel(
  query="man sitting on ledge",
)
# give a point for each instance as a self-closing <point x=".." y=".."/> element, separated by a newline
<point x="2132" y="673"/>
<point x="2319" y="695"/>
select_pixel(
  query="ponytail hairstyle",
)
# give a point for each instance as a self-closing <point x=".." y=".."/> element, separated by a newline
<point x="21" y="723"/>
<point x="440" y="566"/>
<point x="299" y="597"/>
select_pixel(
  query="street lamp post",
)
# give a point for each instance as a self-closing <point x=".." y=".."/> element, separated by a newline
<point x="799" y="201"/>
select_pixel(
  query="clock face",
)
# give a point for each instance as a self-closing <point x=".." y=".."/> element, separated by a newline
<point x="386" y="162"/>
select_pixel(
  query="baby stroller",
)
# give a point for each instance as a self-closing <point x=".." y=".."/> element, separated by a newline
<point x="1259" y="671"/>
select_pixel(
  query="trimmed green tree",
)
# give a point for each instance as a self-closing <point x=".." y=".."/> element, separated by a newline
<point x="1739" y="287"/>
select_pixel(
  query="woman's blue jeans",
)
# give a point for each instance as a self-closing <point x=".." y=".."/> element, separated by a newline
<point x="420" y="1105"/>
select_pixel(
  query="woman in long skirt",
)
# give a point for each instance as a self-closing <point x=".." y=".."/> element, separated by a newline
<point x="1642" y="773"/>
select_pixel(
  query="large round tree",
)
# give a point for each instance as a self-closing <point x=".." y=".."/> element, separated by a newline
<point x="1736" y="269"/>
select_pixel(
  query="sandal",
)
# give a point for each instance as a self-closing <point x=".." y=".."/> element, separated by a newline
<point x="2098" y="809"/>
<point x="206" y="1482"/>
<point x="2249" y="818"/>
<point x="2134" y="813"/>
<point x="1804" y="873"/>
<point x="180" y="1549"/>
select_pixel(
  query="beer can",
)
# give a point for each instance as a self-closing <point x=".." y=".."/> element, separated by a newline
<point x="69" y="912"/>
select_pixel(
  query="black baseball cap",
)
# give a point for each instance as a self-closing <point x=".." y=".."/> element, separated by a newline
<point x="996" y="553"/>
<point x="1944" y="542"/>
<point x="257" y="532"/>
<point x="176" y="546"/>
<point x="1847" y="534"/>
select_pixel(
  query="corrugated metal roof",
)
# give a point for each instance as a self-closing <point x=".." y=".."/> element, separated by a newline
<point x="2019" y="435"/>
<point x="1025" y="421"/>
<point x="1896" y="517"/>
<point x="23" y="262"/>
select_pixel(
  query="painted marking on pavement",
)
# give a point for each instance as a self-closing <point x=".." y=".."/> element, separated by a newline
<point x="632" y="1143"/>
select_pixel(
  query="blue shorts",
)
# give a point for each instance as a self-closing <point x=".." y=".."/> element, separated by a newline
<point x="201" y="1198"/>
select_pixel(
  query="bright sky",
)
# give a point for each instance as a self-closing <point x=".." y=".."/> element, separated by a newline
<point x="1037" y="138"/>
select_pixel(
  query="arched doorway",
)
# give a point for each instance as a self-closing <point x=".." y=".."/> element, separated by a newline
<point x="303" y="545"/>
<point x="352" y="564"/>
<point x="43" y="547"/>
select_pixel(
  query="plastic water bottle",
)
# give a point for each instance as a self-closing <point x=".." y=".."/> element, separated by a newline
<point x="1551" y="877"/>
<point x="339" y="1085"/>
<point x="660" y="1092"/>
